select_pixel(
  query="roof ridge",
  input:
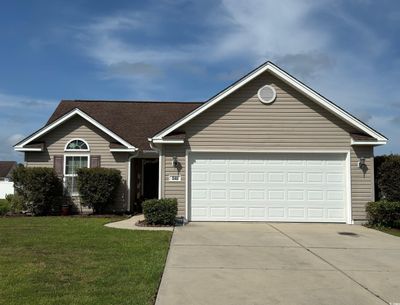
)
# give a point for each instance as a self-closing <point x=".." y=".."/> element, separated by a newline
<point x="133" y="101"/>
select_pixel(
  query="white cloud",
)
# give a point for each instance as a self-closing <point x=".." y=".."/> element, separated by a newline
<point x="260" y="30"/>
<point x="20" y="101"/>
<point x="269" y="28"/>
<point x="244" y="33"/>
<point x="20" y="115"/>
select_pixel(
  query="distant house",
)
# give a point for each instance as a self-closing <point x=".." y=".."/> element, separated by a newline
<point x="6" y="185"/>
<point x="266" y="148"/>
<point x="6" y="168"/>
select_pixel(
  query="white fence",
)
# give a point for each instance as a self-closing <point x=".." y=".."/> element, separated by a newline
<point x="6" y="188"/>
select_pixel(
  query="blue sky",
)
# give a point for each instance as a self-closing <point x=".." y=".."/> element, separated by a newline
<point x="349" y="51"/>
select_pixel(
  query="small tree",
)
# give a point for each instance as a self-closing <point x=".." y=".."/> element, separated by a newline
<point x="98" y="187"/>
<point x="40" y="189"/>
<point x="388" y="178"/>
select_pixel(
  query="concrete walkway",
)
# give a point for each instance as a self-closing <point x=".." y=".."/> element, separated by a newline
<point x="129" y="224"/>
<point x="260" y="264"/>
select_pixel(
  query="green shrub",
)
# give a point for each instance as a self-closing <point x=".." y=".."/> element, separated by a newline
<point x="387" y="170"/>
<point x="98" y="187"/>
<point x="384" y="213"/>
<point x="17" y="203"/>
<point x="4" y="207"/>
<point x="40" y="189"/>
<point x="160" y="211"/>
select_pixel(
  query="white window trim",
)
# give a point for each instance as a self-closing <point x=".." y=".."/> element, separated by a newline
<point x="76" y="150"/>
<point x="65" y="166"/>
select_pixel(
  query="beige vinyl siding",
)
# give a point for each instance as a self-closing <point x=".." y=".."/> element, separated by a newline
<point x="175" y="189"/>
<point x="98" y="141"/>
<point x="362" y="183"/>
<point x="292" y="122"/>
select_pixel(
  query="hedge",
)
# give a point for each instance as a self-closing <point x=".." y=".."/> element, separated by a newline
<point x="387" y="177"/>
<point x="40" y="189"/>
<point x="4" y="207"/>
<point x="160" y="211"/>
<point x="98" y="187"/>
<point x="384" y="213"/>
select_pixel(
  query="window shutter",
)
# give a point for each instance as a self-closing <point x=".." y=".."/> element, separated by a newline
<point x="59" y="165"/>
<point x="95" y="161"/>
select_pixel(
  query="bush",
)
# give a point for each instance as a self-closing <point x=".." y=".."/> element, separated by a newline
<point x="17" y="203"/>
<point x="40" y="189"/>
<point x="387" y="170"/>
<point x="160" y="211"/>
<point x="98" y="187"/>
<point x="4" y="207"/>
<point x="384" y="213"/>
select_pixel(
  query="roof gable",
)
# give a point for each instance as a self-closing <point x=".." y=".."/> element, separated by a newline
<point x="128" y="123"/>
<point x="268" y="66"/>
<point x="66" y="117"/>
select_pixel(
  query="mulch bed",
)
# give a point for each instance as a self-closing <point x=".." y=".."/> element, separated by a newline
<point x="143" y="223"/>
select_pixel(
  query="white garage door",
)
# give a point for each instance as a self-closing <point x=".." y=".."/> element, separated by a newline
<point x="274" y="187"/>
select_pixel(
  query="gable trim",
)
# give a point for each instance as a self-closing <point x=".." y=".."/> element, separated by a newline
<point x="268" y="66"/>
<point x="20" y="146"/>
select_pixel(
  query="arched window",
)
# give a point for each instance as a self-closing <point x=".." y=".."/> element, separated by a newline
<point x="77" y="145"/>
<point x="73" y="161"/>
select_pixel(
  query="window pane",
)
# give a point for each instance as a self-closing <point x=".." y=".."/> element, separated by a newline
<point x="77" y="144"/>
<point x="71" y="185"/>
<point x="72" y="163"/>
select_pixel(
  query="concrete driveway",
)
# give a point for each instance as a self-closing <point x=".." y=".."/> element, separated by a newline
<point x="280" y="263"/>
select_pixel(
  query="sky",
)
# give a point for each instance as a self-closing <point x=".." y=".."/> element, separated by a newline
<point x="348" y="51"/>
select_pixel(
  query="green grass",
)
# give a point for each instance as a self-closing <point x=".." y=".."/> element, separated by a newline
<point x="392" y="231"/>
<point x="76" y="260"/>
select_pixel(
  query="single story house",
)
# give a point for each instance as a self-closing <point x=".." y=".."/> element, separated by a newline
<point x="6" y="169"/>
<point x="266" y="148"/>
<point x="6" y="184"/>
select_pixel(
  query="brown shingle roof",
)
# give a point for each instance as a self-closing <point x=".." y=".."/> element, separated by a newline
<point x="134" y="121"/>
<point x="6" y="167"/>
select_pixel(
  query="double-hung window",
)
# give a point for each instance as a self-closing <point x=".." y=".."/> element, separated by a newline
<point x="72" y="162"/>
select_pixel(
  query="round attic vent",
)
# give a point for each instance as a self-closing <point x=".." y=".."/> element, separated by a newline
<point x="267" y="94"/>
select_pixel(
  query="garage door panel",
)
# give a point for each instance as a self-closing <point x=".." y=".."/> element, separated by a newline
<point x="279" y="187"/>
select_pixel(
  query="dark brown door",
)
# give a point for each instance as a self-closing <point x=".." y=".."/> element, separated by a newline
<point x="150" y="179"/>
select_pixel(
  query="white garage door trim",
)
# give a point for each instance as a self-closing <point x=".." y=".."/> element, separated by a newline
<point x="347" y="173"/>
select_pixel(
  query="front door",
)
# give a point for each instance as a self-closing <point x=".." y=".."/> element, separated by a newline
<point x="150" y="178"/>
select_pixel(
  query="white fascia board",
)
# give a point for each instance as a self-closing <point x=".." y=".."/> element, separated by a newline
<point x="375" y="143"/>
<point x="66" y="117"/>
<point x="161" y="141"/>
<point x="288" y="79"/>
<point x="123" y="149"/>
<point x="27" y="149"/>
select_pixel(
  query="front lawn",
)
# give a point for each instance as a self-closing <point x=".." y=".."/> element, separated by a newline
<point x="392" y="231"/>
<point x="76" y="260"/>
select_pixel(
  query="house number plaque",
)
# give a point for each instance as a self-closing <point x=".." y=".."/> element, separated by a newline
<point x="175" y="178"/>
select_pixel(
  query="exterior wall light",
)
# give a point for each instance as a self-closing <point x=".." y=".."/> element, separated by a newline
<point x="361" y="163"/>
<point x="175" y="162"/>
